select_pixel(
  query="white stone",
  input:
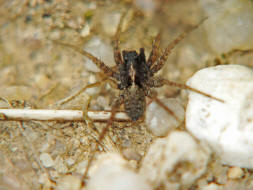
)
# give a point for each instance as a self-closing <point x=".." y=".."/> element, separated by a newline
<point x="112" y="172"/>
<point x="110" y="22"/>
<point x="46" y="160"/>
<point x="174" y="162"/>
<point x="212" y="186"/>
<point x="69" y="182"/>
<point x="229" y="25"/>
<point x="159" y="122"/>
<point x="235" y="173"/>
<point x="101" y="50"/>
<point x="227" y="127"/>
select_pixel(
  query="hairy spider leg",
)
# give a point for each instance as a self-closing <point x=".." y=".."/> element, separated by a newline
<point x="100" y="64"/>
<point x="162" y="60"/>
<point x="184" y="86"/>
<point x="155" y="52"/>
<point x="116" y="49"/>
<point x="162" y="105"/>
<point x="157" y="82"/>
<point x="115" y="106"/>
<point x="90" y="123"/>
<point x="72" y="96"/>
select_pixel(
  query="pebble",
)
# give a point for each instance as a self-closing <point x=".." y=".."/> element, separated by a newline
<point x="46" y="160"/>
<point x="159" y="122"/>
<point x="228" y="20"/>
<point x="112" y="172"/>
<point x="101" y="50"/>
<point x="235" y="173"/>
<point x="226" y="127"/>
<point x="110" y="22"/>
<point x="174" y="162"/>
<point x="212" y="186"/>
<point x="69" y="182"/>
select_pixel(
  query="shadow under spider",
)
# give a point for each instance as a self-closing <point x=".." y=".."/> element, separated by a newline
<point x="134" y="77"/>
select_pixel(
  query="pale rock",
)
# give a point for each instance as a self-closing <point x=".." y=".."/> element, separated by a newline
<point x="110" y="22"/>
<point x="69" y="182"/>
<point x="174" y="162"/>
<point x="229" y="25"/>
<point x="46" y="160"/>
<point x="227" y="127"/>
<point x="60" y="165"/>
<point x="159" y="122"/>
<point x="101" y="50"/>
<point x="212" y="186"/>
<point x="235" y="173"/>
<point x="112" y="172"/>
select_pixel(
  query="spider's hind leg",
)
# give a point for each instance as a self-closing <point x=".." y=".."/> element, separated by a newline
<point x="153" y="97"/>
<point x="115" y="106"/>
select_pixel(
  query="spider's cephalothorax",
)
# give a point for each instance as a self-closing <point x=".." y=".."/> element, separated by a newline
<point x="134" y="74"/>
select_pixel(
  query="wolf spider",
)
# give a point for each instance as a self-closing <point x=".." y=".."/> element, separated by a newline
<point x="134" y="77"/>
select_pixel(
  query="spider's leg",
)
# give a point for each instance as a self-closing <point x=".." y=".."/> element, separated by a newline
<point x="115" y="106"/>
<point x="72" y="96"/>
<point x="155" y="52"/>
<point x="100" y="64"/>
<point x="116" y="49"/>
<point x="153" y="97"/>
<point x="161" y="61"/>
<point x="90" y="123"/>
<point x="159" y="82"/>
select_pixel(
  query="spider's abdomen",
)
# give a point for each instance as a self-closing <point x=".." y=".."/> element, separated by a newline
<point x="134" y="103"/>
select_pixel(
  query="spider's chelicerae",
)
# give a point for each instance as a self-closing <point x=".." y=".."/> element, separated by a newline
<point x="135" y="78"/>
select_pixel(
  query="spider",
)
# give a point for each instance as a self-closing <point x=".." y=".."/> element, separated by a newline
<point x="134" y="77"/>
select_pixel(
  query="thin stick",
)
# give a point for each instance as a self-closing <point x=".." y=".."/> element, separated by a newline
<point x="58" y="115"/>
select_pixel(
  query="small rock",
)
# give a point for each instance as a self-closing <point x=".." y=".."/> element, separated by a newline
<point x="229" y="20"/>
<point x="235" y="173"/>
<point x="131" y="154"/>
<point x="174" y="162"/>
<point x="212" y="186"/>
<point x="159" y="122"/>
<point x="110" y="22"/>
<point x="46" y="160"/>
<point x="147" y="6"/>
<point x="70" y="161"/>
<point x="101" y="50"/>
<point x="69" y="182"/>
<point x="60" y="165"/>
<point x="227" y="126"/>
<point x="112" y="172"/>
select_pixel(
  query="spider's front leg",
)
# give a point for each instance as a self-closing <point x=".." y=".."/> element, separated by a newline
<point x="116" y="49"/>
<point x="155" y="52"/>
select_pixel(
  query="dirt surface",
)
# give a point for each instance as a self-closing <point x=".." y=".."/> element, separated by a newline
<point x="36" y="70"/>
